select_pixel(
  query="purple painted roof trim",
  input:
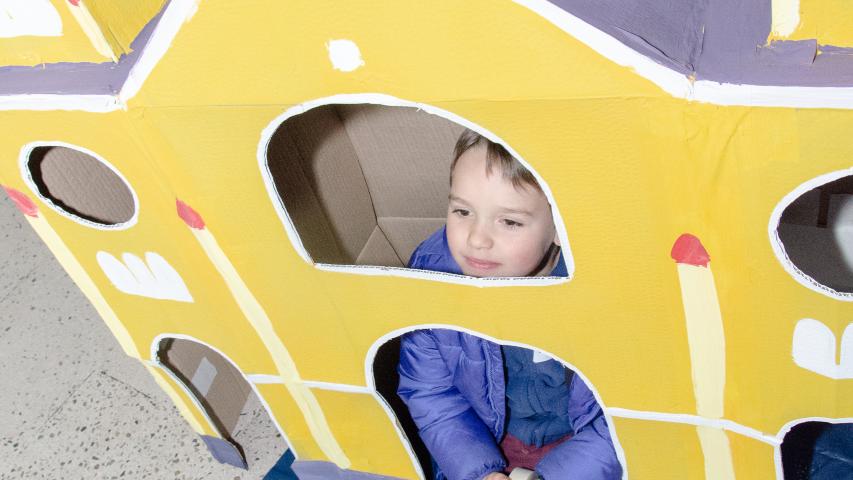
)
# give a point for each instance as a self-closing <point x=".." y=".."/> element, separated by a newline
<point x="722" y="41"/>
<point x="77" y="78"/>
<point x="667" y="32"/>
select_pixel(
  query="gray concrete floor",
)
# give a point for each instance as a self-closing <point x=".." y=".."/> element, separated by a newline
<point x="72" y="405"/>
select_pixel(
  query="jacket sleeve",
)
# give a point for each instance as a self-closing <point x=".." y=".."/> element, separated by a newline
<point x="589" y="454"/>
<point x="461" y="444"/>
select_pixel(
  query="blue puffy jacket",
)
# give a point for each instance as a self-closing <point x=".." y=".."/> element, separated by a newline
<point x="454" y="386"/>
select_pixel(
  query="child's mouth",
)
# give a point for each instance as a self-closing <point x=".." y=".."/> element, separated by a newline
<point x="481" y="264"/>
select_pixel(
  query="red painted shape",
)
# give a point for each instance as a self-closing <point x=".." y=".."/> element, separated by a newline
<point x="688" y="249"/>
<point x="23" y="202"/>
<point x="74" y="2"/>
<point x="189" y="216"/>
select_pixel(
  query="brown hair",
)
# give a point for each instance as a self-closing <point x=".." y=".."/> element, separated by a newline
<point x="496" y="156"/>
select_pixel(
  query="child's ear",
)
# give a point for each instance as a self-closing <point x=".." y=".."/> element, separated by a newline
<point x="556" y="239"/>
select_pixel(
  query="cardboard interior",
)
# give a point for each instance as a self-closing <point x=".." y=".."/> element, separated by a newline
<point x="812" y="229"/>
<point x="363" y="184"/>
<point x="81" y="185"/>
<point x="217" y="385"/>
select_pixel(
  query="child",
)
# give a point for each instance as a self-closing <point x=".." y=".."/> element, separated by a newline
<point x="483" y="409"/>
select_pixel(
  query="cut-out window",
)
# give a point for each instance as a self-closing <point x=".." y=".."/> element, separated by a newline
<point x="816" y="232"/>
<point x="227" y="399"/>
<point x="553" y="377"/>
<point x="80" y="185"/>
<point x="363" y="184"/>
<point x="818" y="451"/>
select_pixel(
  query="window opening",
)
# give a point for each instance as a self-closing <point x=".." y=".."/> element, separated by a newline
<point x="80" y="185"/>
<point x="816" y="232"/>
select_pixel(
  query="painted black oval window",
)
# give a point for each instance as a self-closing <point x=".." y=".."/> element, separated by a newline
<point x="816" y="233"/>
<point x="79" y="185"/>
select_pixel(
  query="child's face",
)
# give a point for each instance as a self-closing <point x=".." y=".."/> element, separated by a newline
<point x="495" y="229"/>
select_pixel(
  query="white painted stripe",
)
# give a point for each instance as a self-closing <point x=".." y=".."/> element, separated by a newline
<point x="262" y="378"/>
<point x="176" y="14"/>
<point x="372" y="270"/>
<point x="772" y="96"/>
<point x="696" y="420"/>
<point x="45" y="102"/>
<point x="337" y="387"/>
<point x="785" y="15"/>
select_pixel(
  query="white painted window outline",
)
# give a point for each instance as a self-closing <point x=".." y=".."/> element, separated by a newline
<point x="370" y="358"/>
<point x="779" y="248"/>
<point x="26" y="174"/>
<point x="389" y="101"/>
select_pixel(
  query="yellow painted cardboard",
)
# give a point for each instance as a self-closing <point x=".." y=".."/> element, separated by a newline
<point x="828" y="21"/>
<point x="682" y="457"/>
<point x="630" y="169"/>
<point x="121" y="21"/>
<point x="347" y="425"/>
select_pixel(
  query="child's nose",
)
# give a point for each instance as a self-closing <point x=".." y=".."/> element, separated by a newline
<point x="479" y="237"/>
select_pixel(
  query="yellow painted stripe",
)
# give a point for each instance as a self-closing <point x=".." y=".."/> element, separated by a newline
<point x="92" y="29"/>
<point x="79" y="275"/>
<point x="705" y="337"/>
<point x="717" y="452"/>
<point x="256" y="315"/>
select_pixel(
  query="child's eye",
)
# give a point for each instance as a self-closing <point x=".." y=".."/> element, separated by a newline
<point x="512" y="223"/>
<point x="461" y="212"/>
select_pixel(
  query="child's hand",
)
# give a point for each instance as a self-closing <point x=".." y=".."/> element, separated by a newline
<point x="496" y="476"/>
